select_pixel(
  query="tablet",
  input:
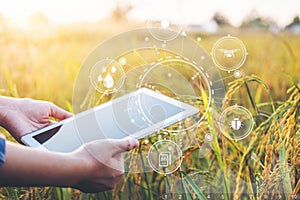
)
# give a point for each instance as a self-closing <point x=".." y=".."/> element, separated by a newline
<point x="137" y="114"/>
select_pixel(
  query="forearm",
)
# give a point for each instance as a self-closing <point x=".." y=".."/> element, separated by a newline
<point x="7" y="100"/>
<point x="6" y="104"/>
<point x="30" y="167"/>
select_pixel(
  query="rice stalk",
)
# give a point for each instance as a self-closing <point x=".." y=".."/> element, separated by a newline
<point x="285" y="115"/>
<point x="236" y="85"/>
<point x="292" y="54"/>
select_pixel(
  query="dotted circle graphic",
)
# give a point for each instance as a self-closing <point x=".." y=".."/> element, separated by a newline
<point x="178" y="68"/>
<point x="180" y="86"/>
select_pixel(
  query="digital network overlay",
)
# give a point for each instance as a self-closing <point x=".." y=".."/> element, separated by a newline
<point x="163" y="58"/>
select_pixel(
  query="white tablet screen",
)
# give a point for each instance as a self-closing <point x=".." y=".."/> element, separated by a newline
<point x="136" y="114"/>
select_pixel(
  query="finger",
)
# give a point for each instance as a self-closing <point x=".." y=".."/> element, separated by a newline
<point x="58" y="113"/>
<point x="51" y="123"/>
<point x="125" y="144"/>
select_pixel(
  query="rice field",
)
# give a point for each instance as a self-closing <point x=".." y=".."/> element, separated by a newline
<point x="43" y="64"/>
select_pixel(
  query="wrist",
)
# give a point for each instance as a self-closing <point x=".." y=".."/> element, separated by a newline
<point x="10" y="108"/>
<point x="7" y="105"/>
<point x="79" y="166"/>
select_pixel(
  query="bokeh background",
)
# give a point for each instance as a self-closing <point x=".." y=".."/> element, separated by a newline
<point x="44" y="43"/>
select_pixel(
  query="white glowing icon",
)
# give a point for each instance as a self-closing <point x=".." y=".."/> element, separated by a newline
<point x="99" y="78"/>
<point x="113" y="69"/>
<point x="108" y="81"/>
<point x="236" y="124"/>
<point x="123" y="60"/>
<point x="164" y="159"/>
<point x="228" y="53"/>
<point x="165" y="24"/>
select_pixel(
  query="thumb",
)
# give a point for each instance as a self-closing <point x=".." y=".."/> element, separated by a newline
<point x="125" y="144"/>
<point x="58" y="113"/>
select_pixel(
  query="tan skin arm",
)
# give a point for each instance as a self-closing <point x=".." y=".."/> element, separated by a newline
<point x="94" y="167"/>
<point x="26" y="166"/>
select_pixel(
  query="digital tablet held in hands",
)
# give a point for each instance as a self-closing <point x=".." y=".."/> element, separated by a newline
<point x="137" y="114"/>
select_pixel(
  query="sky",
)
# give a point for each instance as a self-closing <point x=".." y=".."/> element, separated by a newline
<point x="187" y="11"/>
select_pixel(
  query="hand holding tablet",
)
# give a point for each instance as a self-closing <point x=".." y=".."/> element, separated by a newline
<point x="137" y="114"/>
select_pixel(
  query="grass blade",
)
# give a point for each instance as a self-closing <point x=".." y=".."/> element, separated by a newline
<point x="193" y="185"/>
<point x="59" y="193"/>
<point x="285" y="176"/>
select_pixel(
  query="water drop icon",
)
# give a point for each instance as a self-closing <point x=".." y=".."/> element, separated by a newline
<point x="113" y="69"/>
<point x="108" y="81"/>
<point x="103" y="69"/>
<point x="99" y="78"/>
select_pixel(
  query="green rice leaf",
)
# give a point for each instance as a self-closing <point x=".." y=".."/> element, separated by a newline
<point x="193" y="185"/>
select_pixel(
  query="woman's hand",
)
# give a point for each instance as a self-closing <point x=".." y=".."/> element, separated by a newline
<point x="104" y="163"/>
<point x="94" y="167"/>
<point x="21" y="116"/>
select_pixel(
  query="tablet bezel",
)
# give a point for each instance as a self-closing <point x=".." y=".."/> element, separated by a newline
<point x="187" y="111"/>
<point x="29" y="139"/>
